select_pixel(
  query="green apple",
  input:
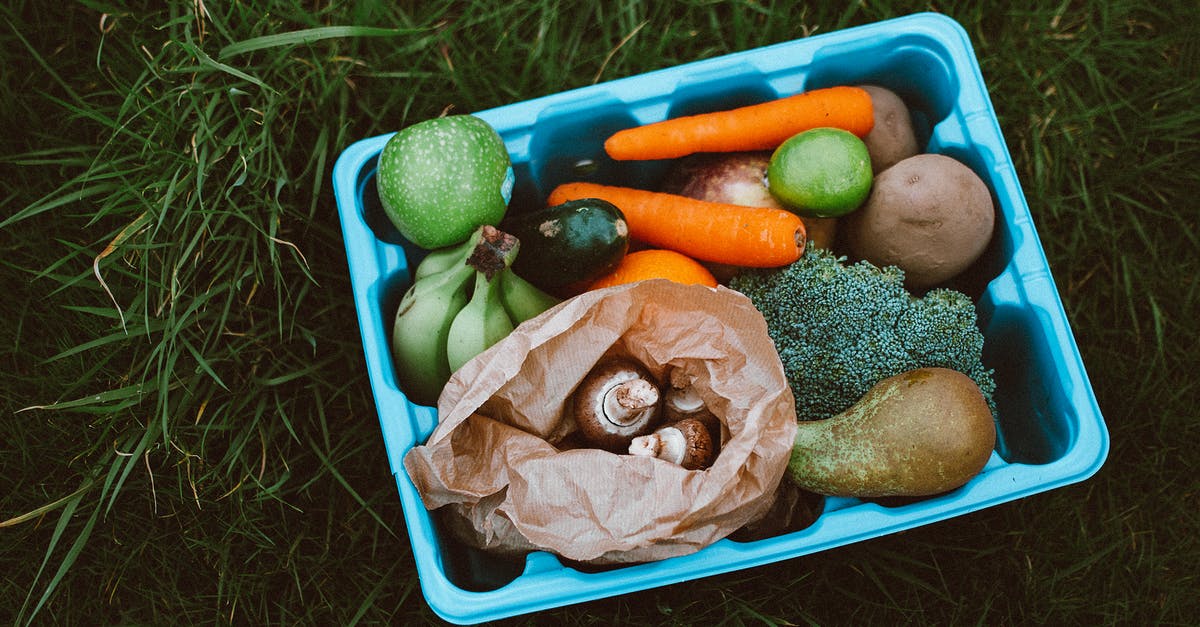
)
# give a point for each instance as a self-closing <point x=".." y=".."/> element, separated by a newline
<point x="441" y="179"/>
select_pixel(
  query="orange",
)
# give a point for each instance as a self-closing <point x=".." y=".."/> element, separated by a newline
<point x="821" y="173"/>
<point x="654" y="263"/>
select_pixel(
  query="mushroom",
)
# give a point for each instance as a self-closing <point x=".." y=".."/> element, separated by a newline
<point x="681" y="400"/>
<point x="687" y="443"/>
<point x="617" y="401"/>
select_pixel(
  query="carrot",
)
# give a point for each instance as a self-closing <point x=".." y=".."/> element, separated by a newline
<point x="758" y="237"/>
<point x="755" y="127"/>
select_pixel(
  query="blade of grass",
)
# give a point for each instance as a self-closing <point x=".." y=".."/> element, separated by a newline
<point x="130" y="393"/>
<point x="132" y="228"/>
<point x="47" y="508"/>
<point x="126" y="462"/>
<point x="64" y="196"/>
<point x="208" y="62"/>
<point x="311" y="35"/>
<point x="331" y="468"/>
<point x="47" y="68"/>
<point x="67" y="560"/>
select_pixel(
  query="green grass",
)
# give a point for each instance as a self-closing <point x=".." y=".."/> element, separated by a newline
<point x="188" y="435"/>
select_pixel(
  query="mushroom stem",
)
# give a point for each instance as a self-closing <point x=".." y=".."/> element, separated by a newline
<point x="664" y="444"/>
<point x="626" y="402"/>
<point x="684" y="400"/>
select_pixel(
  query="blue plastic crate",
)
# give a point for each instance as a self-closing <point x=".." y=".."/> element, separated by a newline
<point x="1051" y="432"/>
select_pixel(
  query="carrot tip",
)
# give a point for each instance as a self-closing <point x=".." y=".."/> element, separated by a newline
<point x="801" y="240"/>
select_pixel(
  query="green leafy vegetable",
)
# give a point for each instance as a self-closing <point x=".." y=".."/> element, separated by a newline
<point x="841" y="328"/>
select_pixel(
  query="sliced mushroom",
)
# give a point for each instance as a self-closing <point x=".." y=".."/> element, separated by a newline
<point x="687" y="443"/>
<point x="616" y="402"/>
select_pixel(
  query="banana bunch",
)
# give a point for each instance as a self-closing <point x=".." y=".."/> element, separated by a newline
<point x="463" y="299"/>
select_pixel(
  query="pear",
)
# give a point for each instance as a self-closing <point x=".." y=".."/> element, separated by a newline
<point x="922" y="432"/>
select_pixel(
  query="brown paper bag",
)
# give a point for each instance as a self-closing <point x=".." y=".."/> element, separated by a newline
<point x="500" y="483"/>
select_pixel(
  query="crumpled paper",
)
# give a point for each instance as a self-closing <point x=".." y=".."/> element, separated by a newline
<point x="499" y="472"/>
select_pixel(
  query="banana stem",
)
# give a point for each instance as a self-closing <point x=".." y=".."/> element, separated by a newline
<point x="495" y="251"/>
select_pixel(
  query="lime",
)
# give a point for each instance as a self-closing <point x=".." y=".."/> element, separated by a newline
<point x="821" y="173"/>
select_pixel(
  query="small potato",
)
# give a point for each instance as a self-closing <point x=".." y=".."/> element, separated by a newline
<point x="892" y="138"/>
<point x="929" y="214"/>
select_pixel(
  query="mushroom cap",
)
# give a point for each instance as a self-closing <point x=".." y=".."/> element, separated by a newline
<point x="697" y="444"/>
<point x="617" y="401"/>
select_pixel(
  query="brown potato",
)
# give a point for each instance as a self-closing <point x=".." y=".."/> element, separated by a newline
<point x="929" y="214"/>
<point x="892" y="138"/>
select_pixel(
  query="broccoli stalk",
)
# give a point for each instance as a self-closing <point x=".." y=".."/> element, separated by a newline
<point x="841" y="328"/>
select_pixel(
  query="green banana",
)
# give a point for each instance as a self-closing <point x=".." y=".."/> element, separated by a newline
<point x="421" y="330"/>
<point x="522" y="299"/>
<point x="480" y="324"/>
<point x="442" y="259"/>
<point x="441" y="324"/>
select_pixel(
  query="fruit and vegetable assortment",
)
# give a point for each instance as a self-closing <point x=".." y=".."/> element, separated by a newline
<point x="773" y="200"/>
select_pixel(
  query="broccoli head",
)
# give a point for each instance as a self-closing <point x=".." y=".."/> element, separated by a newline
<point x="841" y="328"/>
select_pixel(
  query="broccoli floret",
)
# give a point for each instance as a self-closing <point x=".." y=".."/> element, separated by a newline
<point x="841" y="328"/>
